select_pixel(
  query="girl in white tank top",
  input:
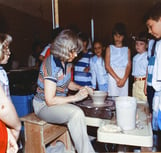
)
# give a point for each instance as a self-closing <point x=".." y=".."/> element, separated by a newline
<point x="118" y="62"/>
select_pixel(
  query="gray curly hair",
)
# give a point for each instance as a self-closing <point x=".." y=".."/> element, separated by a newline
<point x="64" y="43"/>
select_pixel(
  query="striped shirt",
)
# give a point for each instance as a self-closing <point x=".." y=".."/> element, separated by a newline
<point x="53" y="70"/>
<point x="80" y="77"/>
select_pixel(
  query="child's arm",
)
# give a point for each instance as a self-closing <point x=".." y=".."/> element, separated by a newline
<point x="9" y="115"/>
<point x="145" y="83"/>
<point x="93" y="74"/>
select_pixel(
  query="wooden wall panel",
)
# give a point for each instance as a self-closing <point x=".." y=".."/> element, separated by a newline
<point x="27" y="20"/>
<point x="25" y="29"/>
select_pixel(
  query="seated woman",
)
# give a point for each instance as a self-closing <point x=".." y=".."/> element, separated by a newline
<point x="50" y="102"/>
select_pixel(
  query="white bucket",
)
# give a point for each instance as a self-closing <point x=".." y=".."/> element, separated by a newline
<point x="126" y="112"/>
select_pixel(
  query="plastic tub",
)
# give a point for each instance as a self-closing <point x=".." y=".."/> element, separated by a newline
<point x="126" y="112"/>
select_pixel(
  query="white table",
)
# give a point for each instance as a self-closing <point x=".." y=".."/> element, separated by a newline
<point x="141" y="136"/>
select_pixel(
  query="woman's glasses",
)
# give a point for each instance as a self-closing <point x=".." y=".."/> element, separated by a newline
<point x="73" y="52"/>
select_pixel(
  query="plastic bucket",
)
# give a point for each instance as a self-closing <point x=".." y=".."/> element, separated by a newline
<point x="126" y="112"/>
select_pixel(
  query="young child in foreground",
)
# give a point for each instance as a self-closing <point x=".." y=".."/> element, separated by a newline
<point x="153" y="22"/>
<point x="10" y="124"/>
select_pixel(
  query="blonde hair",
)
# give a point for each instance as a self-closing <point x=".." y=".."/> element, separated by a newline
<point x="5" y="40"/>
<point x="64" y="43"/>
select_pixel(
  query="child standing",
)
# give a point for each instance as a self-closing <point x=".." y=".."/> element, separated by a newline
<point x="9" y="122"/>
<point x="153" y="22"/>
<point x="139" y="67"/>
<point x="33" y="60"/>
<point x="4" y="57"/>
<point x="118" y="62"/>
<point x="82" y="75"/>
<point x="97" y="67"/>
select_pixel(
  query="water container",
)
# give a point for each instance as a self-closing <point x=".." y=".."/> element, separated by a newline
<point x="126" y="112"/>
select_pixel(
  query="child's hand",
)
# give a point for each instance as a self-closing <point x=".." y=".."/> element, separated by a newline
<point x="145" y="88"/>
<point x="12" y="143"/>
<point x="86" y="69"/>
<point x="118" y="81"/>
<point x="121" y="83"/>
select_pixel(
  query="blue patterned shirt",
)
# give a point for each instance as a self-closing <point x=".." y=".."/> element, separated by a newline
<point x="53" y="70"/>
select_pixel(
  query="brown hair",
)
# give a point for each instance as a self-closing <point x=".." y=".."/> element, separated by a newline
<point x="154" y="13"/>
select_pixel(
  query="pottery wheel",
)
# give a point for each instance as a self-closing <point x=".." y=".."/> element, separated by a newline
<point x="89" y="104"/>
<point x="104" y="111"/>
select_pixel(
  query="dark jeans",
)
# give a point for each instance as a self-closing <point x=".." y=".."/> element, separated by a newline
<point x="150" y="95"/>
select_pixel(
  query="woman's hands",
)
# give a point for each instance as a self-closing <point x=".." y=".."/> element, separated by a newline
<point x="80" y="95"/>
<point x="83" y="93"/>
<point x="90" y="90"/>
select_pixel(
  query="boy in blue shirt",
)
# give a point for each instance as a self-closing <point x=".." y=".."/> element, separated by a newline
<point x="153" y="22"/>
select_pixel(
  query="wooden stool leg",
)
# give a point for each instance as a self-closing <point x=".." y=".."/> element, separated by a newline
<point x="65" y="138"/>
<point x="146" y="149"/>
<point x="34" y="137"/>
